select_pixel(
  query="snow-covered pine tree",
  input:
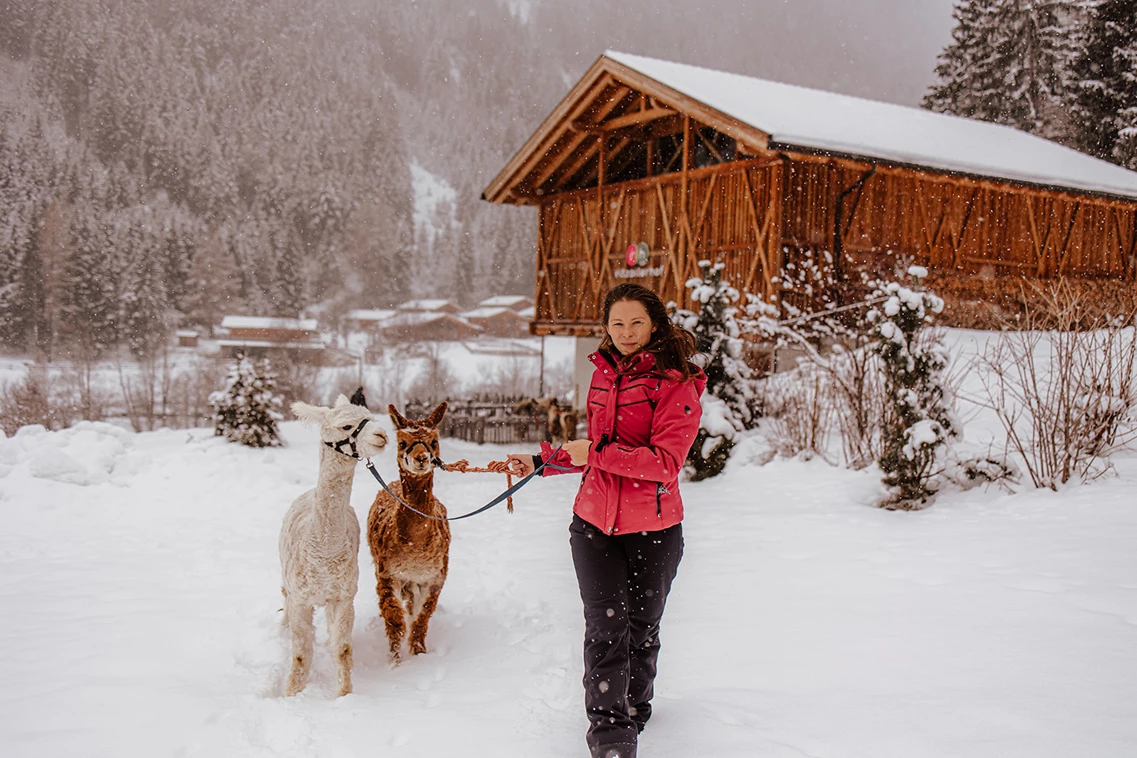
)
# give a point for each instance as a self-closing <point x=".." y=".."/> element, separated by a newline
<point x="90" y="301"/>
<point x="728" y="399"/>
<point x="965" y="87"/>
<point x="917" y="419"/>
<point x="288" y="287"/>
<point x="1105" y="102"/>
<point x="247" y="410"/>
<point x="145" y="313"/>
<point x="1010" y="62"/>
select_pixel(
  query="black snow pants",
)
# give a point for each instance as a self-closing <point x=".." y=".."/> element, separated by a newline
<point x="624" y="580"/>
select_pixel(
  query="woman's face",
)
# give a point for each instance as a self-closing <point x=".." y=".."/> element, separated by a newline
<point x="629" y="326"/>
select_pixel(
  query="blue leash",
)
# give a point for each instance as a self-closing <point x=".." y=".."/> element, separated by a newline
<point x="503" y="496"/>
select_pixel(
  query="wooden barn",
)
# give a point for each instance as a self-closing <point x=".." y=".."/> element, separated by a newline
<point x="262" y="335"/>
<point x="647" y="167"/>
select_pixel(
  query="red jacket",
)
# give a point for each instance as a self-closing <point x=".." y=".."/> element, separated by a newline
<point x="642" y="424"/>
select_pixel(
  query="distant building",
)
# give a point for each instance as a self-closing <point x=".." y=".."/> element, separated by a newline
<point x="262" y="335"/>
<point x="186" y="337"/>
<point x="426" y="325"/>
<point x="516" y="303"/>
<point x="498" y="321"/>
<point x="367" y="320"/>
<point x="429" y="306"/>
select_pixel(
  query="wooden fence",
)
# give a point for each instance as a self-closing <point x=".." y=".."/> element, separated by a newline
<point x="485" y="421"/>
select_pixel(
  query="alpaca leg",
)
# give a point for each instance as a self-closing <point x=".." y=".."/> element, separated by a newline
<point x="412" y="600"/>
<point x="422" y="621"/>
<point x="303" y="637"/>
<point x="392" y="613"/>
<point x="341" y="619"/>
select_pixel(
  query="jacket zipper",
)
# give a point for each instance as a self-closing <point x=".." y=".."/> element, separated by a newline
<point x="659" y="490"/>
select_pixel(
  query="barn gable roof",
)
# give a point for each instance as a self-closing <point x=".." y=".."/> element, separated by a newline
<point x="623" y="90"/>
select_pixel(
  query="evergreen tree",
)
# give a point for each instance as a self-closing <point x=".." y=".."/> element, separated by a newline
<point x="1010" y="62"/>
<point x="247" y="410"/>
<point x="917" y="421"/>
<point x="1106" y="98"/>
<point x="728" y="398"/>
<point x="145" y="313"/>
<point x="965" y="84"/>
<point x="90" y="302"/>
<point x="214" y="285"/>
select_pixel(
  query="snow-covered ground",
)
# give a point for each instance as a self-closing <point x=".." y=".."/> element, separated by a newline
<point x="139" y="597"/>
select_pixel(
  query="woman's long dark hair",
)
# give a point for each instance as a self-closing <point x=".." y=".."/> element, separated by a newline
<point x="672" y="345"/>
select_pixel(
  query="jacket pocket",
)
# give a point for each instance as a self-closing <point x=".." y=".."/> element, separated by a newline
<point x="660" y="491"/>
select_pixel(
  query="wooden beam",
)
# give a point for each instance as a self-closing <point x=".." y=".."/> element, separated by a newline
<point x="634" y="118"/>
<point x="619" y="95"/>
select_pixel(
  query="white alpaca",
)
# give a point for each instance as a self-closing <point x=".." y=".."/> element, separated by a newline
<point x="319" y="541"/>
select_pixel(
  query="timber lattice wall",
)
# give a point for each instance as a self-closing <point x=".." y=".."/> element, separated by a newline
<point x="730" y="213"/>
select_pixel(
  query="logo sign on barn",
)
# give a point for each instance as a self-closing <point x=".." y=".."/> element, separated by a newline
<point x="636" y="257"/>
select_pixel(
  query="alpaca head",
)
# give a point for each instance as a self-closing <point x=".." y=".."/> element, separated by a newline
<point x="418" y="440"/>
<point x="340" y="427"/>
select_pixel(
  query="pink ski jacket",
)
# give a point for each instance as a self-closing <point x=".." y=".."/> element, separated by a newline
<point x="642" y="423"/>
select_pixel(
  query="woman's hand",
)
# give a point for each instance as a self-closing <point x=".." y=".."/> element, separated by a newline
<point x="521" y="463"/>
<point x="578" y="451"/>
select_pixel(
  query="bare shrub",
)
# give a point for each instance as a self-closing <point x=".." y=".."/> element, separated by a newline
<point x="798" y="412"/>
<point x="1064" y="395"/>
<point x="857" y="398"/>
<point x="79" y="379"/>
<point x="33" y="400"/>
<point x="186" y="402"/>
<point x="145" y="385"/>
<point x="846" y="390"/>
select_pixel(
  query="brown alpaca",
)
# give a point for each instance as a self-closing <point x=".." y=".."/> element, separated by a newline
<point x="411" y="553"/>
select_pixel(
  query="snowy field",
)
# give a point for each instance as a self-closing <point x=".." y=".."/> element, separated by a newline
<point x="139" y="597"/>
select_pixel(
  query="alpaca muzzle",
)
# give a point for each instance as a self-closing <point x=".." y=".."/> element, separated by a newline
<point x="350" y="442"/>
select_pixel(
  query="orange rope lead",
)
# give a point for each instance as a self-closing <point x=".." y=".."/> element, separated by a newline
<point x="493" y="467"/>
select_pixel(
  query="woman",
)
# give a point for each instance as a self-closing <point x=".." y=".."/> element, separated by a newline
<point x="626" y="536"/>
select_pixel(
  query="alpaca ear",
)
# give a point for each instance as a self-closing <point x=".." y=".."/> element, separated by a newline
<point x="436" y="415"/>
<point x="309" y="415"/>
<point x="398" y="420"/>
<point x="342" y="400"/>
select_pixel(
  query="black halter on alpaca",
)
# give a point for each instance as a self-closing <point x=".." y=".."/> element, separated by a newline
<point x="349" y="441"/>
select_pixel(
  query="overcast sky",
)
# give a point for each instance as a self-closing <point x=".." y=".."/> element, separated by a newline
<point x="882" y="49"/>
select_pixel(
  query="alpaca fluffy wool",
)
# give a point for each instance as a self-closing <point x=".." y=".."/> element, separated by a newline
<point x="319" y="544"/>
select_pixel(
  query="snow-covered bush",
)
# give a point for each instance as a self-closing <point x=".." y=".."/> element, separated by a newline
<point x="247" y="410"/>
<point x="917" y="422"/>
<point x="729" y="401"/>
<point x="1064" y="395"/>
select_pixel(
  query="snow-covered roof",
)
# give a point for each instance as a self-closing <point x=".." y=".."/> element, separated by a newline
<point x="505" y="301"/>
<point x="814" y="119"/>
<point x="371" y="314"/>
<point x="487" y="313"/>
<point x="425" y="305"/>
<point x="269" y="343"/>
<point x="268" y="322"/>
<point x="529" y="313"/>
<point x="417" y="318"/>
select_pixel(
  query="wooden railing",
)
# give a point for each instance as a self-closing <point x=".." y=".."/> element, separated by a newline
<point x="492" y="422"/>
